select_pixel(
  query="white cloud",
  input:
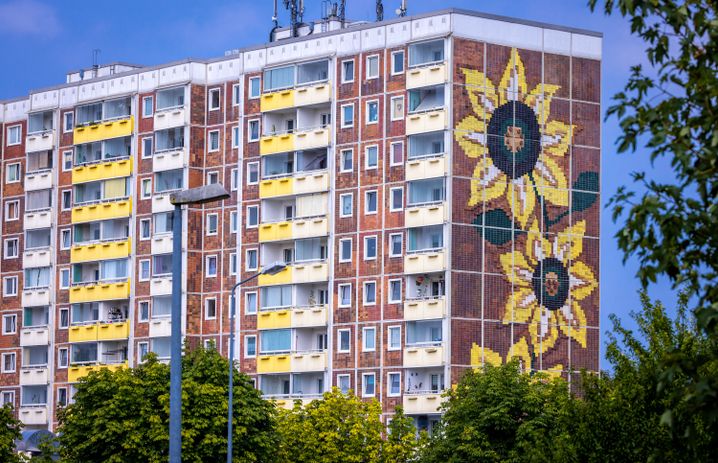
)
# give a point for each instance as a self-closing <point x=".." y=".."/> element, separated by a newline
<point x="28" y="18"/>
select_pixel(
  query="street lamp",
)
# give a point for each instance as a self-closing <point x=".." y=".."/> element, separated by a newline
<point x="201" y="195"/>
<point x="271" y="270"/>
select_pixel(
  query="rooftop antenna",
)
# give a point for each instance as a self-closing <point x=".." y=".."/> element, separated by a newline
<point x="379" y="10"/>
<point x="342" y="11"/>
<point x="275" y="22"/>
<point x="401" y="11"/>
<point x="293" y="8"/>
<point x="95" y="64"/>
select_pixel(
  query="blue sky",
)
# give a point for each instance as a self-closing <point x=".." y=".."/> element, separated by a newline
<point x="42" y="40"/>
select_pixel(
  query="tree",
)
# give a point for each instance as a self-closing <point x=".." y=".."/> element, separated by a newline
<point x="401" y="444"/>
<point x="671" y="226"/>
<point x="9" y="433"/>
<point x="123" y="416"/>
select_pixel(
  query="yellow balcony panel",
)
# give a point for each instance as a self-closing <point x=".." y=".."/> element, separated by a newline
<point x="276" y="231"/>
<point x="312" y="94"/>
<point x="309" y="361"/>
<point x="110" y="331"/>
<point x="430" y="121"/>
<point x="274" y="363"/>
<point x="273" y="101"/>
<point x="425" y="215"/>
<point x="83" y="333"/>
<point x="276" y="187"/>
<point x="424" y="403"/>
<point x="309" y="139"/>
<point x="274" y="319"/>
<point x="287" y="403"/>
<point x="425" y="262"/>
<point x="311" y="183"/>
<point x="75" y="373"/>
<point x="432" y="167"/>
<point x="100" y="251"/>
<point x="102" y="211"/>
<point x="105" y="170"/>
<point x="425" y="76"/>
<point x="100" y="292"/>
<point x="310" y="227"/>
<point x="282" y="278"/>
<point x="303" y="317"/>
<point x="424" y="309"/>
<point x="104" y="130"/>
<point x="310" y="272"/>
<point x="428" y="356"/>
<point x="276" y="143"/>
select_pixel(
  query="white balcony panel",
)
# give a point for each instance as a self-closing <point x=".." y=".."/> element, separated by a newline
<point x="39" y="219"/>
<point x="160" y="327"/>
<point x="33" y="415"/>
<point x="31" y="376"/>
<point x="432" y="167"/>
<point x="35" y="297"/>
<point x="37" y="258"/>
<point x="161" y="203"/>
<point x="162" y="244"/>
<point x="169" y="160"/>
<point x="161" y="286"/>
<point x="31" y="336"/>
<point x="40" y="141"/>
<point x="417" y="357"/>
<point x="175" y="117"/>
<point x="426" y="403"/>
<point x="38" y="180"/>
<point x="425" y="215"/>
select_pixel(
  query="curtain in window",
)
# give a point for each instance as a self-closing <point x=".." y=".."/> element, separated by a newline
<point x="279" y="78"/>
<point x="113" y="269"/>
<point x="276" y="296"/>
<point x="276" y="341"/>
<point x="115" y="188"/>
<point x="85" y="352"/>
<point x="308" y="249"/>
<point x="161" y="306"/>
<point x="41" y="199"/>
<point x="37" y="277"/>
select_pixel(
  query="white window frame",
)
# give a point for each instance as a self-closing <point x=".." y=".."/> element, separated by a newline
<point x="69" y="154"/>
<point x="234" y="179"/>
<point x="249" y="87"/>
<point x="247" y="260"/>
<point x="339" y="382"/>
<point x="14" y="363"/>
<point x="339" y="341"/>
<point x="212" y="175"/>
<point x="236" y="131"/>
<point x="339" y="295"/>
<point x="149" y="268"/>
<point x="345" y="80"/>
<point x="341" y="247"/>
<point x="64" y="231"/>
<point x="59" y="364"/>
<point x="247" y="224"/>
<point x="233" y="224"/>
<point x="249" y="130"/>
<point x="59" y="319"/>
<point x="65" y="116"/>
<point x="366" y="157"/>
<point x="388" y="337"/>
<point x="140" y="318"/>
<point x="246" y="346"/>
<point x="6" y="242"/>
<point x="210" y="94"/>
<point x="145" y="114"/>
<point x="5" y="319"/>
<point x="363" y="385"/>
<point x="391" y="199"/>
<point x="392" y="162"/>
<point x="366" y="202"/>
<point x="19" y="172"/>
<point x="8" y="204"/>
<point x="145" y="192"/>
<point x="250" y="165"/>
<point x="207" y="266"/>
<point x="246" y="302"/>
<point x="388" y="384"/>
<point x="364" y="338"/>
<point x="378" y="65"/>
<point x="344" y="122"/>
<point x="63" y="194"/>
<point x="206" y="307"/>
<point x="391" y="109"/>
<point x="5" y="281"/>
<point x="139" y="350"/>
<point x="216" y="224"/>
<point x="341" y="204"/>
<point x="403" y="64"/>
<point x="366" y="247"/>
<point x="401" y="291"/>
<point x="236" y="95"/>
<point x="233" y="263"/>
<point x="147" y="154"/>
<point x="367" y="112"/>
<point x="211" y="149"/>
<point x="19" y="137"/>
<point x="350" y="152"/>
<point x="391" y="244"/>
<point x="366" y="284"/>
<point x="65" y="271"/>
<point x="148" y="221"/>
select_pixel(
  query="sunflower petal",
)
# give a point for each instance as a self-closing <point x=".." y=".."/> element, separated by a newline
<point x="539" y="99"/>
<point x="556" y="138"/>
<point x="470" y="133"/>
<point x="516" y="269"/>
<point x="522" y="199"/>
<point x="575" y="327"/>
<point x="581" y="280"/>
<point x="520" y="306"/>
<point x="537" y="247"/>
<point x="568" y="245"/>
<point x="487" y="183"/>
<point x="520" y="350"/>
<point x="482" y="355"/>
<point x="544" y="330"/>
<point x="512" y="86"/>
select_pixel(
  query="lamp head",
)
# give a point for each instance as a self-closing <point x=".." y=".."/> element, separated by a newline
<point x="199" y="195"/>
<point x="274" y="268"/>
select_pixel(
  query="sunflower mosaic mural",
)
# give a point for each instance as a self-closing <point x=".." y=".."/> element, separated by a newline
<point x="528" y="212"/>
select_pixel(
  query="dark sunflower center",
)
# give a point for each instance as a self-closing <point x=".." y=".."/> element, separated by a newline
<point x="550" y="283"/>
<point x="514" y="139"/>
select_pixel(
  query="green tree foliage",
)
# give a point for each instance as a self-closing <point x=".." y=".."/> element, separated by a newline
<point x="123" y="416"/>
<point x="401" y="443"/>
<point x="671" y="108"/>
<point x="9" y="433"/>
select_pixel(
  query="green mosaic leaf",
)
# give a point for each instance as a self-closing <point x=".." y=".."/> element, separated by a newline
<point x="497" y="226"/>
<point x="585" y="191"/>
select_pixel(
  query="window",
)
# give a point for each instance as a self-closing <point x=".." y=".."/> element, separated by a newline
<point x="397" y="199"/>
<point x="62" y="357"/>
<point x="235" y="137"/>
<point x="213" y="99"/>
<point x="66" y="200"/>
<point x="144" y="270"/>
<point x="397" y="62"/>
<point x="394" y="337"/>
<point x="146" y="188"/>
<point x="147" y="147"/>
<point x="372" y="112"/>
<point x="64" y="318"/>
<point x="147" y="106"/>
<point x="394" y="384"/>
<point x="372" y="67"/>
<point x="211" y="269"/>
<point x="12" y="210"/>
<point x="343" y="341"/>
<point x="14" y="135"/>
<point x="145" y="229"/>
<point x="397" y="153"/>
<point x="68" y="122"/>
<point x="12" y="174"/>
<point x="250" y="306"/>
<point x="344" y="383"/>
<point x="250" y="346"/>
<point x="212" y="177"/>
<point x="9" y="286"/>
<point x="368" y="339"/>
<point x="253" y="130"/>
<point x="236" y="96"/>
<point x="368" y="385"/>
<point x="213" y="140"/>
<point x="143" y="311"/>
<point x="395" y="244"/>
<point x="345" y="250"/>
<point x="252" y="216"/>
<point x="143" y="348"/>
<point x="394" y="291"/>
<point x="347" y="204"/>
<point x="8" y="362"/>
<point x="251" y="260"/>
<point x="348" y="71"/>
<point x="255" y="87"/>
<point x="66" y="161"/>
<point x="11" y="248"/>
<point x="347" y="115"/>
<point x="369" y="247"/>
<point x="233" y="263"/>
<point x="233" y="222"/>
<point x="397" y="108"/>
<point x="64" y="278"/>
<point x="212" y="220"/>
<point x="345" y="295"/>
<point x="371" y="157"/>
<point x="369" y="292"/>
<point x="169" y="180"/>
<point x="65" y="238"/>
<point x="252" y="173"/>
<point x="370" y="202"/>
<point x="210" y="308"/>
<point x="9" y="324"/>
<point x="61" y="396"/>
<point x="347" y="160"/>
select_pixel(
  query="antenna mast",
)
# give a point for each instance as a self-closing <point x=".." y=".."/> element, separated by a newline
<point x="95" y="62"/>
<point x="401" y="11"/>
<point x="379" y="10"/>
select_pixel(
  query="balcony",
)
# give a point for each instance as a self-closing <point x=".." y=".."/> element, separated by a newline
<point x="292" y="362"/>
<point x="102" y="171"/>
<point x="110" y="209"/>
<point x="309" y="272"/>
<point x="296" y="85"/>
<point x="38" y="219"/>
<point x="34" y="336"/>
<point x="99" y="331"/>
<point x="280" y="143"/>
<point x="76" y="372"/>
<point x="299" y="183"/>
<point x="40" y="257"/>
<point x="111" y="128"/>
<point x="423" y="356"/>
<point x="171" y="159"/>
<point x="35" y="297"/>
<point x="100" y="291"/>
<point x="162" y="244"/>
<point x="305" y="139"/>
<point x="273" y="101"/>
<point x="426" y="214"/>
<point x="34" y="375"/>
<point x="422" y="402"/>
<point x="33" y="415"/>
<point x="100" y="251"/>
<point x="425" y="261"/>
<point x="301" y="96"/>
<point x="309" y="227"/>
<point x="160" y="327"/>
<point x="287" y="401"/>
<point x="167" y="118"/>
<point x="161" y="285"/>
<point x="292" y="317"/>
<point x="428" y="167"/>
<point x="39" y="180"/>
<point x="425" y="308"/>
<point x="429" y="121"/>
<point x="426" y="75"/>
<point x="40" y="141"/>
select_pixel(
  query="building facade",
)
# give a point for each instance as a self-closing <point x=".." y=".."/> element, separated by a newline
<point x="431" y="183"/>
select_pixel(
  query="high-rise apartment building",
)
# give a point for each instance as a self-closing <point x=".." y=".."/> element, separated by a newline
<point x="431" y="182"/>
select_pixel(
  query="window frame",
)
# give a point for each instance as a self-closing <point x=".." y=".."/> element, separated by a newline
<point x="148" y="221"/>
<point x="366" y="247"/>
<point x="206" y="308"/>
<point x="349" y="382"/>
<point x="341" y="204"/>
<point x="64" y="231"/>
<point x="246" y="302"/>
<point x="365" y="285"/>
<point x="400" y="162"/>
<point x="207" y="260"/>
<point x="19" y="172"/>
<point x="378" y="66"/>
<point x="5" y="318"/>
<point x="19" y="136"/>
<point x="5" y="281"/>
<point x="247" y="224"/>
<point x="389" y="298"/>
<point x="145" y="114"/>
<point x="252" y="96"/>
<point x="59" y="364"/>
<point x="60" y="325"/>
<point x="8" y="205"/>
<point x="391" y="244"/>
<point x="339" y="295"/>
<point x="348" y="331"/>
<point x="389" y="392"/>
<point x="14" y="362"/>
<point x="247" y="259"/>
<point x="67" y="272"/>
<point x="250" y="165"/>
<point x="366" y="202"/>
<point x="342" y="153"/>
<point x="250" y="139"/>
<point x="65" y="115"/>
<point x="246" y="346"/>
<point x="210" y="97"/>
<point x="6" y="241"/>
<point x="71" y="154"/>
<point x="366" y="157"/>
<point x="145" y="154"/>
<point x="236" y="95"/>
<point x="394" y="72"/>
<point x="208" y="223"/>
<point x="341" y="248"/>
<point x="210" y="147"/>
<point x="393" y="191"/>
<point x="364" y="338"/>
<point x="367" y="112"/>
<point x="144" y="193"/>
<point x="140" y="317"/>
<point x="149" y="270"/>
<point x="388" y="338"/>
<point x="364" y="393"/>
<point x="345" y="80"/>
<point x="344" y="124"/>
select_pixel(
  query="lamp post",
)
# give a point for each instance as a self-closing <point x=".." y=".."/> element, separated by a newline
<point x="271" y="270"/>
<point x="201" y="195"/>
